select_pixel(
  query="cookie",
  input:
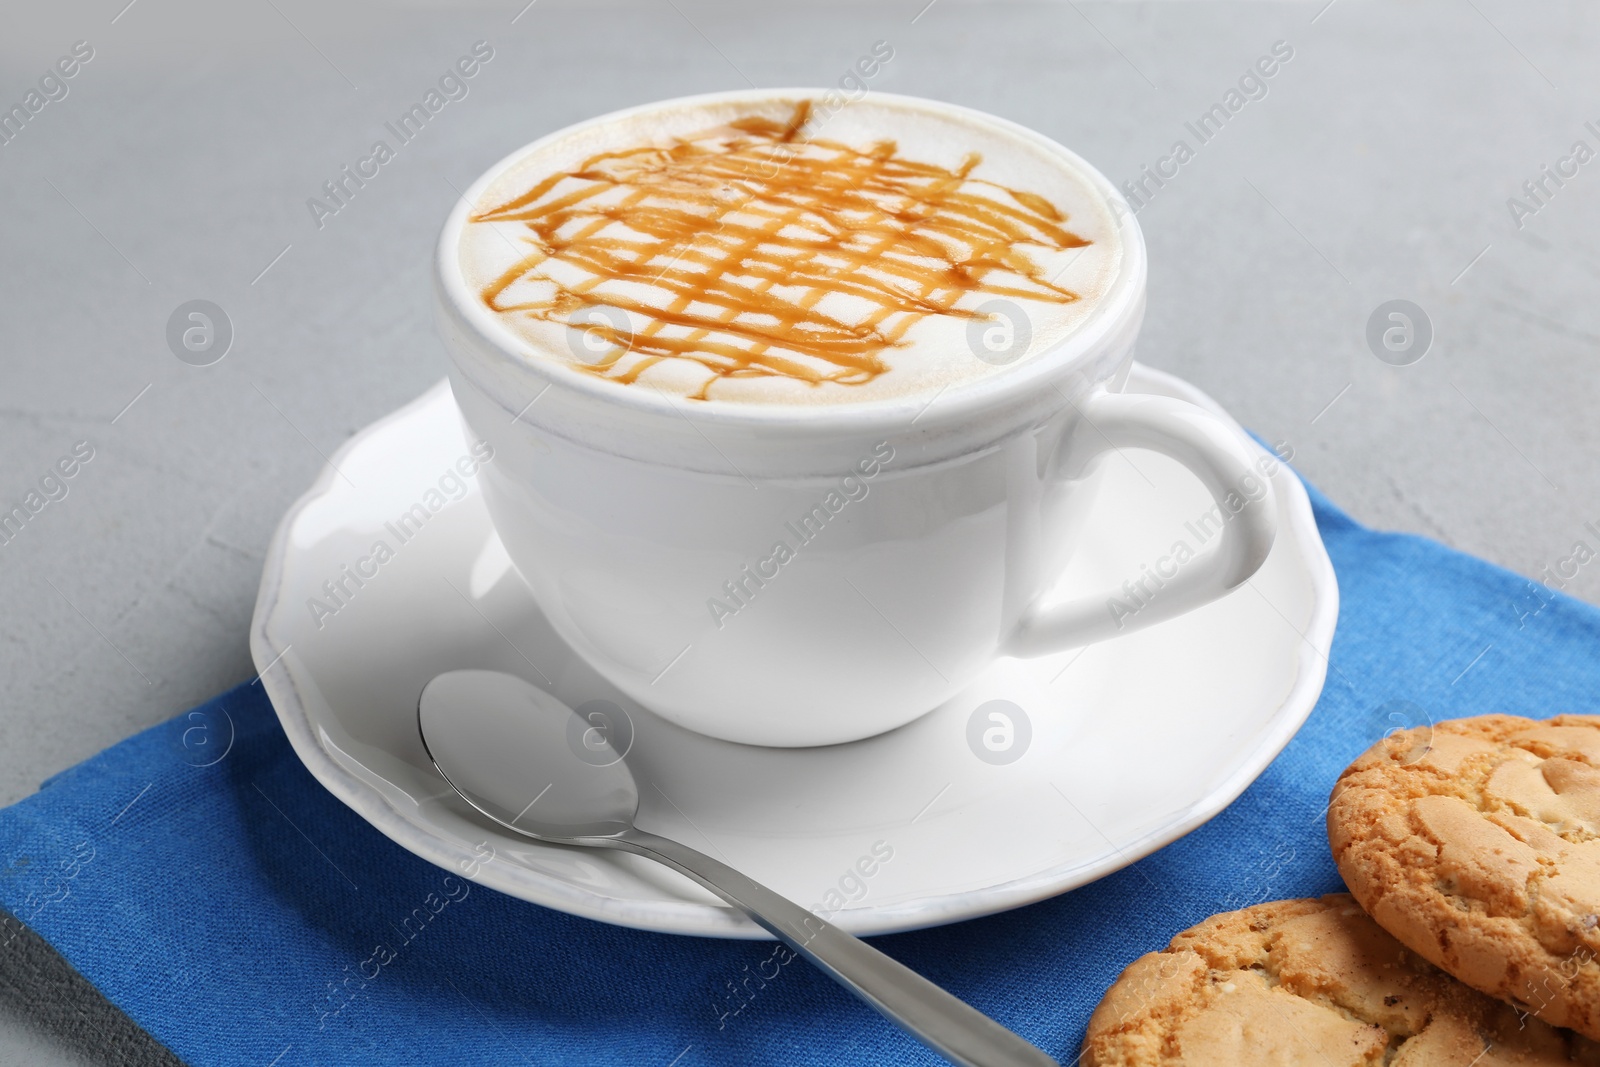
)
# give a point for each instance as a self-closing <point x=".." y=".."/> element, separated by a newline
<point x="1476" y="843"/>
<point x="1313" y="982"/>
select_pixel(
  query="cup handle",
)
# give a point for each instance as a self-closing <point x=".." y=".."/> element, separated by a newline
<point x="1224" y="463"/>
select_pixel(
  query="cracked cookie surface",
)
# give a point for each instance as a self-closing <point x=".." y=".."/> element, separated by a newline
<point x="1312" y="982"/>
<point x="1476" y="843"/>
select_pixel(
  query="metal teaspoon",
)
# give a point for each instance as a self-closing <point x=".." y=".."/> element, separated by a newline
<point x="502" y="744"/>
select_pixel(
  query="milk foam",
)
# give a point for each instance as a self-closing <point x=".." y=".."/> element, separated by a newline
<point x="934" y="351"/>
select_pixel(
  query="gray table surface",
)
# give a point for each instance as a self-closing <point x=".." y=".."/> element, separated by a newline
<point x="1378" y="165"/>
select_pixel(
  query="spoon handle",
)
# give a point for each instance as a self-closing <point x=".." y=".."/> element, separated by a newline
<point x="943" y="1022"/>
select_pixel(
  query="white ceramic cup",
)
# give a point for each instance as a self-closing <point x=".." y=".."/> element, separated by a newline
<point x="919" y="536"/>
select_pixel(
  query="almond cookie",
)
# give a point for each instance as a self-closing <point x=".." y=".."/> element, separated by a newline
<point x="1313" y="982"/>
<point x="1476" y="843"/>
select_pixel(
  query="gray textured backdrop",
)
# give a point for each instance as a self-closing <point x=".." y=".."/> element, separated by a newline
<point x="1377" y="166"/>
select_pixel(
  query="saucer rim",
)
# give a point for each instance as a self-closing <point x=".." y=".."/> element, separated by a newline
<point x="277" y="674"/>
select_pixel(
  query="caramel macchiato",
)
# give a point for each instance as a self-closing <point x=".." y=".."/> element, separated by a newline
<point x="757" y="252"/>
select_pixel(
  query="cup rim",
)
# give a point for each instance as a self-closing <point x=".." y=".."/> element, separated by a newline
<point x="1122" y="299"/>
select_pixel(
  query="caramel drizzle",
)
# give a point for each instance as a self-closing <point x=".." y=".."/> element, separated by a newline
<point x="741" y="233"/>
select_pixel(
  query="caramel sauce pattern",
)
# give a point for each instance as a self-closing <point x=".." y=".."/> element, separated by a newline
<point x="728" y="246"/>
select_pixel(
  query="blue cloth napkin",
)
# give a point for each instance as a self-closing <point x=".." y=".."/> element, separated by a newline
<point x="242" y="915"/>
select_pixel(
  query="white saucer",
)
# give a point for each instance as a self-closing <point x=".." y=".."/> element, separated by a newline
<point x="1135" y="741"/>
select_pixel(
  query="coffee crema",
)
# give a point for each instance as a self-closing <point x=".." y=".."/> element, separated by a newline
<point x="756" y="259"/>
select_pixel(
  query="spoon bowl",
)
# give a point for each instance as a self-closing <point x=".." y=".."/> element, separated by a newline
<point x="504" y="745"/>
